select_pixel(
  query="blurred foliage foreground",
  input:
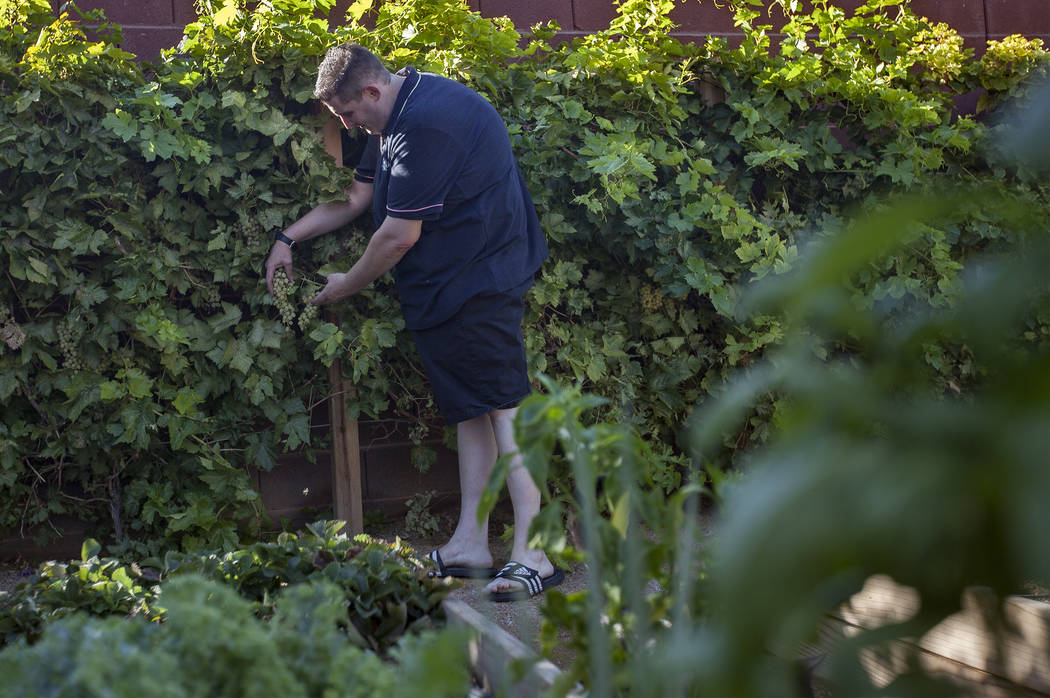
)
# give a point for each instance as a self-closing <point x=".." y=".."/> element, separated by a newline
<point x="872" y="470"/>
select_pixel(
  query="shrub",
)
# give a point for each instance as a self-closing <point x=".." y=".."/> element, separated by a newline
<point x="213" y="645"/>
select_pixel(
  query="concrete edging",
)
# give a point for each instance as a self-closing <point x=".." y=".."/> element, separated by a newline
<point x="494" y="653"/>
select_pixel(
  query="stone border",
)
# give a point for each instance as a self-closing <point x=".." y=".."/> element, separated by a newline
<point x="495" y="654"/>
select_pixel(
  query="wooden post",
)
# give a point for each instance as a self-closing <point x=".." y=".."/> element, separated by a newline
<point x="346" y="452"/>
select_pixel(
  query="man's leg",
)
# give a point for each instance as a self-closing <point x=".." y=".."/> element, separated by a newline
<point x="469" y="544"/>
<point x="524" y="496"/>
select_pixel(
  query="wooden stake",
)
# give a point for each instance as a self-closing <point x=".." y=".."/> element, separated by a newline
<point x="346" y="452"/>
<point x="346" y="455"/>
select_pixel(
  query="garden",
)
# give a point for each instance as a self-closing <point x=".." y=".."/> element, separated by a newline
<point x="793" y="288"/>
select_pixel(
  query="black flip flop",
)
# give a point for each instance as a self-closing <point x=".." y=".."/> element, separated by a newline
<point x="458" y="571"/>
<point x="530" y="580"/>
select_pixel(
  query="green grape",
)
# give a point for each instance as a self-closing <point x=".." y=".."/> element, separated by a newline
<point x="309" y="313"/>
<point x="307" y="316"/>
<point x="282" y="291"/>
<point x="252" y="230"/>
<point x="651" y="297"/>
<point x="210" y="295"/>
<point x="67" y="343"/>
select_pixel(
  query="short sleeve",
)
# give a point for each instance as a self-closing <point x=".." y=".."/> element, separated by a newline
<point x="366" y="168"/>
<point x="425" y="164"/>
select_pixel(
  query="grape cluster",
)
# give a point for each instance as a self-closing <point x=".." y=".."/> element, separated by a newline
<point x="67" y="342"/>
<point x="282" y="297"/>
<point x="252" y="231"/>
<point x="309" y="313"/>
<point x="354" y="245"/>
<point x="652" y="298"/>
<point x="209" y="295"/>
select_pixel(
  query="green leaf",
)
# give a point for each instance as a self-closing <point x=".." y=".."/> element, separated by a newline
<point x="186" y="401"/>
<point x="621" y="514"/>
<point x="112" y="390"/>
<point x="139" y="384"/>
<point x="121" y="123"/>
<point x="89" y="549"/>
<point x="229" y="12"/>
<point x="39" y="272"/>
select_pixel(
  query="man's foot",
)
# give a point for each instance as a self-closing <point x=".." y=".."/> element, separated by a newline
<point x="532" y="559"/>
<point x="526" y="582"/>
<point x="465" y="571"/>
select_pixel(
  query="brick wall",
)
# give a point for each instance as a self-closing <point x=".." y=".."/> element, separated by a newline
<point x="150" y="25"/>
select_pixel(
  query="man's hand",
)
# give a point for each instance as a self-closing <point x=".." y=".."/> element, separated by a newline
<point x="385" y="249"/>
<point x="337" y="288"/>
<point x="280" y="258"/>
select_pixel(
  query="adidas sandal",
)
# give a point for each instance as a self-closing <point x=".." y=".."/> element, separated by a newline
<point x="456" y="570"/>
<point x="530" y="580"/>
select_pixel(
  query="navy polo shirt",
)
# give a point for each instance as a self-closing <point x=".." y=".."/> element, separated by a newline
<point x="445" y="159"/>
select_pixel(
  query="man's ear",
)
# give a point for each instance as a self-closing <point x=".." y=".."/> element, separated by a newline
<point x="371" y="92"/>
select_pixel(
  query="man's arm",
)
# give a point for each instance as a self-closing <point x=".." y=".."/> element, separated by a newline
<point x="318" y="221"/>
<point x="388" y="245"/>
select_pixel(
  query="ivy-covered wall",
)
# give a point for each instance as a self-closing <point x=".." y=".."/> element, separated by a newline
<point x="151" y="25"/>
<point x="144" y="368"/>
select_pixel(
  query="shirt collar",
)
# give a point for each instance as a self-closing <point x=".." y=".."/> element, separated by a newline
<point x="403" y="95"/>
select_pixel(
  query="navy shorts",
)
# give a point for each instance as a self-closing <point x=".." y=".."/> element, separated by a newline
<point x="475" y="360"/>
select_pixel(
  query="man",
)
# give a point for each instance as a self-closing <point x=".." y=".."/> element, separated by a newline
<point x="456" y="224"/>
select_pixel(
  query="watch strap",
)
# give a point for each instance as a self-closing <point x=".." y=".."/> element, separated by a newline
<point x="281" y="237"/>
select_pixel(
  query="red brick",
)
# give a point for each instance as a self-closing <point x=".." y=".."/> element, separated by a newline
<point x="388" y="473"/>
<point x="183" y="12"/>
<point x="592" y="15"/>
<point x="133" y="12"/>
<point x="1028" y="17"/>
<point x="703" y="18"/>
<point x="295" y="483"/>
<point x="22" y="546"/>
<point x="525" y="15"/>
<point x="147" y="42"/>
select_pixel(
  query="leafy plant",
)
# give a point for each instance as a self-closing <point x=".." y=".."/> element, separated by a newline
<point x="213" y="645"/>
<point x="387" y="589"/>
<point x="418" y="518"/>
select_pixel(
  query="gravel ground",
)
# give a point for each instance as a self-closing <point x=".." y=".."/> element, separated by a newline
<point x="10" y="576"/>
<point x="520" y="618"/>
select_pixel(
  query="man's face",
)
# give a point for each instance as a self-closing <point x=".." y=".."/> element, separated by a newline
<point x="364" y="111"/>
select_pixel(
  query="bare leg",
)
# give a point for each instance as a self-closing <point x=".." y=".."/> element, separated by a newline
<point x="469" y="543"/>
<point x="524" y="496"/>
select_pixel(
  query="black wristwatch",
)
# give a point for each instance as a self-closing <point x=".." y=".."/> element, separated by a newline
<point x="281" y="237"/>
